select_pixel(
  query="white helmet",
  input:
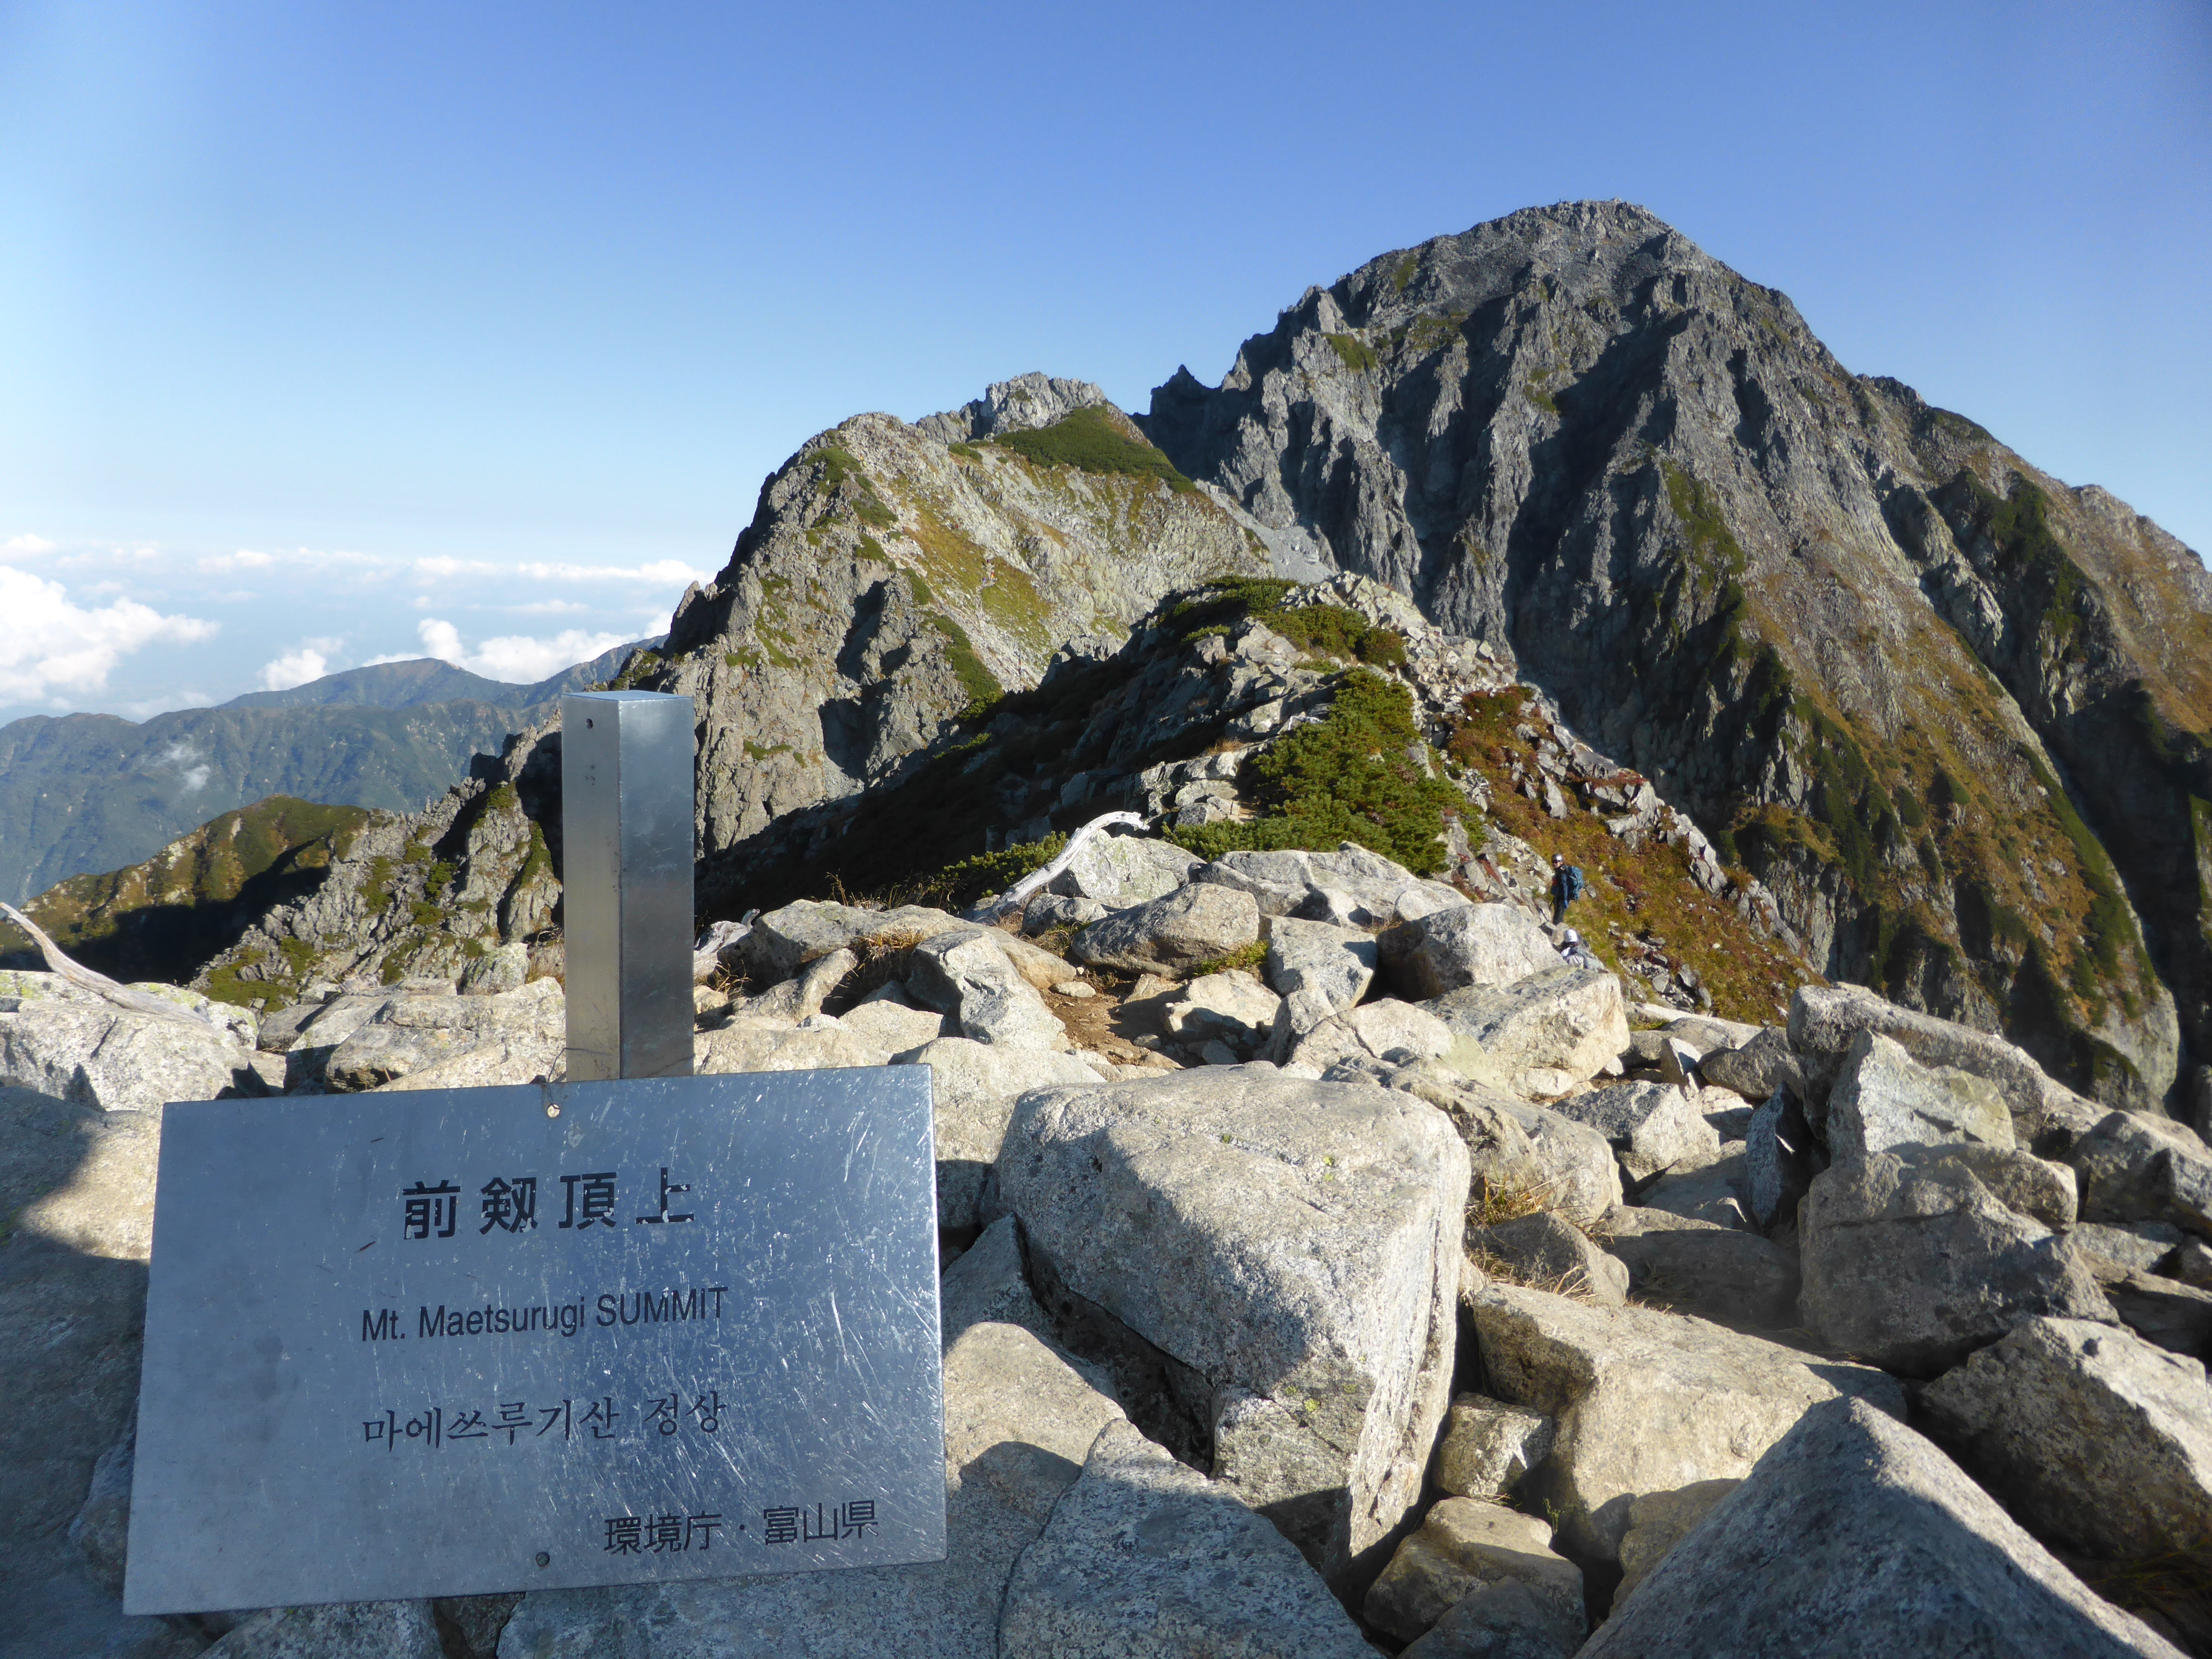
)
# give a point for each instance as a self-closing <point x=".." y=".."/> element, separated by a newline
<point x="1573" y="938"/>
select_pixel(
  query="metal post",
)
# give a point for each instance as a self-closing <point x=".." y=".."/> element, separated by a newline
<point x="626" y="899"/>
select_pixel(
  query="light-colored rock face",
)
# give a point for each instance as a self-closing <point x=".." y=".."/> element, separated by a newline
<point x="1883" y="1099"/>
<point x="1123" y="870"/>
<point x="406" y="1034"/>
<point x="1330" y="966"/>
<point x="77" y="1175"/>
<point x="987" y="1285"/>
<point x="1646" y="1401"/>
<point x="1232" y="1007"/>
<point x="75" y="1048"/>
<point x="1350" y="887"/>
<point x="1826" y="1020"/>
<point x="2102" y="1440"/>
<point x="1462" y="1548"/>
<point x="1653" y="1126"/>
<point x="2138" y="1169"/>
<point x="1376" y="1038"/>
<point x="1914" y="1263"/>
<point x="1298" y="1244"/>
<point x="1480" y="945"/>
<point x="883" y="1023"/>
<point x="1516" y="1148"/>
<point x="1489" y="1447"/>
<point x="1018" y="1423"/>
<point x="1564" y="1019"/>
<point x="1855" y="1536"/>
<point x="801" y="997"/>
<point x="1195" y="925"/>
<point x="1657" y="1522"/>
<point x="753" y="1046"/>
<point x="1715" y="1193"/>
<point x="974" y="1087"/>
<point x="1137" y="1559"/>
<point x="966" y="976"/>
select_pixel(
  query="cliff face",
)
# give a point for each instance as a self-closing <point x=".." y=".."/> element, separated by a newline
<point x="1949" y="710"/>
<point x="896" y="576"/>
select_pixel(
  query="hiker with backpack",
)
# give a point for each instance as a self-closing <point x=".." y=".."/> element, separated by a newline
<point x="1567" y="886"/>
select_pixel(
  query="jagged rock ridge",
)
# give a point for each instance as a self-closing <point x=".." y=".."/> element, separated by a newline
<point x="1952" y="711"/>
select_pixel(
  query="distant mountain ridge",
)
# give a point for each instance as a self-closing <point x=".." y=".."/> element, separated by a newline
<point x="423" y="680"/>
<point x="88" y="794"/>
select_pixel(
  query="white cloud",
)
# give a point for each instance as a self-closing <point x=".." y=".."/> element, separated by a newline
<point x="656" y="572"/>
<point x="17" y="547"/>
<point x="516" y="657"/>
<point x="47" y="644"/>
<point x="244" y="559"/>
<point x="442" y="567"/>
<point x="196" y="779"/>
<point x="294" y="668"/>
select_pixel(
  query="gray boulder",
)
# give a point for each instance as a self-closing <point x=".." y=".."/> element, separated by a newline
<point x="801" y="997"/>
<point x="1883" y="1099"/>
<point x="1704" y="1268"/>
<point x="345" y="1630"/>
<point x="1375" y="1038"/>
<point x="1484" y="945"/>
<point x="989" y="1284"/>
<point x="1295" y="1245"/>
<point x="1911" y="1262"/>
<point x="2102" y="1440"/>
<point x="893" y="1023"/>
<point x="1464" y="1547"/>
<point x="1145" y="1557"/>
<point x="1125" y="870"/>
<point x="2141" y="1169"/>
<point x="1652" y="1126"/>
<point x="1756" y="1069"/>
<point x="1824" y="1021"/>
<point x="1646" y="1401"/>
<point x="101" y="1530"/>
<point x="77" y="1175"/>
<point x="973" y="1086"/>
<point x="1777" y="1159"/>
<point x="1657" y="1522"/>
<point x="1232" y="1007"/>
<point x="1351" y="886"/>
<point x="2171" y="1316"/>
<point x="1551" y="1253"/>
<point x="1564" y="1023"/>
<point x="76" y="1047"/>
<point x="1504" y="1621"/>
<point x="778" y="944"/>
<point x="1019" y="1421"/>
<point x="966" y="975"/>
<point x="2138" y="1246"/>
<point x="1489" y="1447"/>
<point x="755" y="1046"/>
<point x="1046" y="912"/>
<point x="1856" y="1537"/>
<point x="409" y="1034"/>
<point x="1516" y="1149"/>
<point x="1195" y="925"/>
<point x="1321" y="967"/>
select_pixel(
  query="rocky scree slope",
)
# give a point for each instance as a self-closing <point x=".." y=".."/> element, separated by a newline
<point x="1951" y="712"/>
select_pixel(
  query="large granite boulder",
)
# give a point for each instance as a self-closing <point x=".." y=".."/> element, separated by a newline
<point x="1854" y="1537"/>
<point x="1319" y="969"/>
<point x="1646" y="1401"/>
<point x="1883" y="1099"/>
<point x="1489" y="1447"/>
<point x="1561" y="1026"/>
<point x="1294" y="1245"/>
<point x="1018" y="1422"/>
<point x="966" y="975"/>
<point x="1519" y="1148"/>
<point x="1143" y="1556"/>
<point x="762" y="1046"/>
<point x="1463" y="1548"/>
<point x="77" y="1047"/>
<point x="1486" y="944"/>
<point x="1715" y="1271"/>
<point x="2101" y="1440"/>
<point x="1350" y="886"/>
<point x="1191" y="926"/>
<point x="410" y="1034"/>
<point x="1911" y="1262"/>
<point x="1125" y="870"/>
<point x="973" y="1086"/>
<point x="1652" y="1126"/>
<point x="2141" y="1168"/>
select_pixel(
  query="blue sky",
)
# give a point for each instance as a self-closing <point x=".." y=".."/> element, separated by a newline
<point x="332" y="333"/>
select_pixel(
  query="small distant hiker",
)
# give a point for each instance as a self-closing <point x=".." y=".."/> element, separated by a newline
<point x="1567" y="885"/>
<point x="1575" y="954"/>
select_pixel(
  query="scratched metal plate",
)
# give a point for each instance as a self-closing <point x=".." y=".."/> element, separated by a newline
<point x="630" y="1397"/>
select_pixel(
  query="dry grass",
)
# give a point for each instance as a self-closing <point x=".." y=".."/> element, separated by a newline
<point x="1493" y="1206"/>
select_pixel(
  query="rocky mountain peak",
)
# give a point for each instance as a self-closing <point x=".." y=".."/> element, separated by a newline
<point x="1024" y="403"/>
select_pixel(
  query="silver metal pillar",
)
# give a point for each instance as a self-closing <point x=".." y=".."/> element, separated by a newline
<point x="626" y="899"/>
